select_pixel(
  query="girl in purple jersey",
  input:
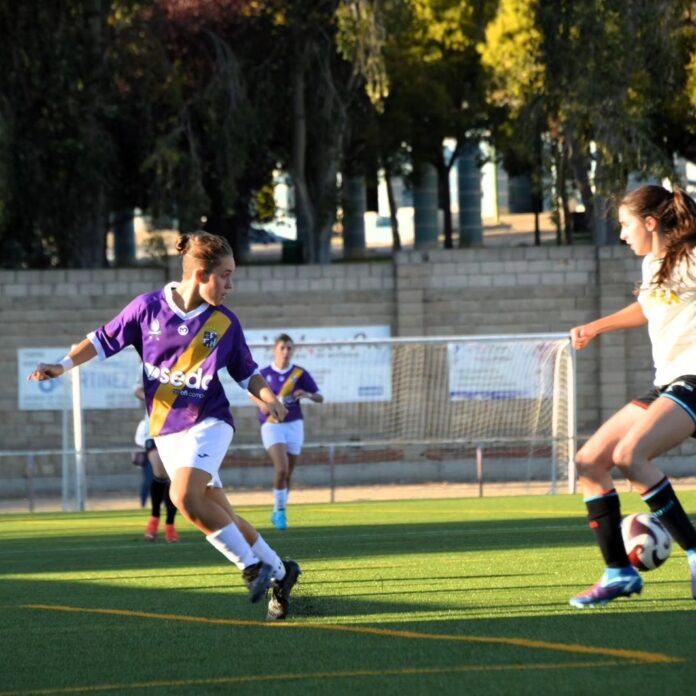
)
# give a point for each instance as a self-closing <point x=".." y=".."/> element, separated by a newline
<point x="283" y="441"/>
<point x="184" y="335"/>
<point x="661" y="227"/>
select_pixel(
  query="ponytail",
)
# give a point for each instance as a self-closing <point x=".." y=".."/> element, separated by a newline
<point x="678" y="224"/>
<point x="675" y="214"/>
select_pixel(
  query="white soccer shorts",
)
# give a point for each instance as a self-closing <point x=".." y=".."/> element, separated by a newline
<point x="289" y="434"/>
<point x="203" y="446"/>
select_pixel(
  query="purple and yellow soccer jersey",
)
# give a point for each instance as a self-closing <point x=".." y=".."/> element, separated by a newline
<point x="181" y="353"/>
<point x="283" y="385"/>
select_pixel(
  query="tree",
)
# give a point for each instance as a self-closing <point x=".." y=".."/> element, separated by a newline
<point x="264" y="84"/>
<point x="321" y="85"/>
<point x="53" y="97"/>
<point x="568" y="67"/>
<point x="436" y="85"/>
<point x="217" y="148"/>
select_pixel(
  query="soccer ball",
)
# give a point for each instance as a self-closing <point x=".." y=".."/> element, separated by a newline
<point x="648" y="544"/>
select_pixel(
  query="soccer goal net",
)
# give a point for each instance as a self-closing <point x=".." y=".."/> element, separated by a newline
<point x="430" y="408"/>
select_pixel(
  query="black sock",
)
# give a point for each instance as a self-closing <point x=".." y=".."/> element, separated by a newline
<point x="604" y="515"/>
<point x="157" y="491"/>
<point x="171" y="508"/>
<point x="664" y="504"/>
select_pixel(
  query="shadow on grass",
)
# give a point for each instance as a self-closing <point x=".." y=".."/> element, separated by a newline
<point x="378" y="575"/>
<point x="110" y="550"/>
<point x="378" y="572"/>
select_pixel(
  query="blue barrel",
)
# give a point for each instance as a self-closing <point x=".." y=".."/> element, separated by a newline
<point x="354" y="204"/>
<point x="469" y="183"/>
<point x="425" y="206"/>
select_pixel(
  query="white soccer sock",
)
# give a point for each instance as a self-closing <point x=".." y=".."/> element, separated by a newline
<point x="269" y="556"/>
<point x="230" y="542"/>
<point x="280" y="496"/>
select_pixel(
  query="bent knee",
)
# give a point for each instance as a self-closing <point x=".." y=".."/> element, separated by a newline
<point x="625" y="454"/>
<point x="588" y="461"/>
<point x="186" y="501"/>
<point x="176" y="497"/>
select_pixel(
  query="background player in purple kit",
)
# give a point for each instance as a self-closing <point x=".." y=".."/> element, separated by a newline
<point x="184" y="335"/>
<point x="283" y="441"/>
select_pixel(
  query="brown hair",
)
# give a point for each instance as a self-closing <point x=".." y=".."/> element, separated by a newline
<point x="202" y="250"/>
<point x="283" y="338"/>
<point x="675" y="214"/>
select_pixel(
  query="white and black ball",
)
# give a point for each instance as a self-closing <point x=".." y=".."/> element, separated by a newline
<point x="648" y="544"/>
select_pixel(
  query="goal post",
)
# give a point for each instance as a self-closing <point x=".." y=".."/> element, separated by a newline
<point x="444" y="398"/>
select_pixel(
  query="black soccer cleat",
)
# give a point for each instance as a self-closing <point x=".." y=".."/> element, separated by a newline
<point x="257" y="578"/>
<point x="279" y="602"/>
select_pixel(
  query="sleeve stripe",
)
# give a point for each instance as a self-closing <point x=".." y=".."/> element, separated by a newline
<point x="244" y="384"/>
<point x="97" y="345"/>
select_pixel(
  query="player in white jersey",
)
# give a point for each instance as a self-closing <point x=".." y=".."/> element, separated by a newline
<point x="660" y="226"/>
<point x="184" y="336"/>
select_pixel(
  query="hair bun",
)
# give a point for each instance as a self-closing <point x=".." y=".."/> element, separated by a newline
<point x="182" y="243"/>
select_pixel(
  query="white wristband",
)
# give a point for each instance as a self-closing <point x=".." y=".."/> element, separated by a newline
<point x="67" y="364"/>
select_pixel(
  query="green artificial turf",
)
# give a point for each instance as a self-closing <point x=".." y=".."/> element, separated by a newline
<point x="414" y="597"/>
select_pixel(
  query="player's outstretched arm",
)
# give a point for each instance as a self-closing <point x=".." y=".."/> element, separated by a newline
<point x="261" y="405"/>
<point x="260" y="389"/>
<point x="84" y="352"/>
<point x="629" y="317"/>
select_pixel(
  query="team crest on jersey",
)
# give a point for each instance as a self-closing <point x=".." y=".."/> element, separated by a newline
<point x="210" y="339"/>
<point x="660" y="297"/>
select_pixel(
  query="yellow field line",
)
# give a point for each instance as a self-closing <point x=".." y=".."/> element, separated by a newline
<point x="256" y="678"/>
<point x="637" y="655"/>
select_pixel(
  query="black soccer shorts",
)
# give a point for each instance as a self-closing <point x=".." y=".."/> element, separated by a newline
<point x="682" y="391"/>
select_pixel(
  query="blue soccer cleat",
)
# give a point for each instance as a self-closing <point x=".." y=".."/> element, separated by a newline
<point x="279" y="519"/>
<point x="610" y="587"/>
<point x="257" y="578"/>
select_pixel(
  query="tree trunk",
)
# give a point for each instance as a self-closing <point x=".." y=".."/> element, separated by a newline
<point x="304" y="210"/>
<point x="323" y="192"/>
<point x="316" y="160"/>
<point x="315" y="187"/>
<point x="562" y="194"/>
<point x="445" y="197"/>
<point x="396" y="236"/>
<point x="538" y="184"/>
